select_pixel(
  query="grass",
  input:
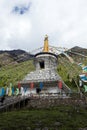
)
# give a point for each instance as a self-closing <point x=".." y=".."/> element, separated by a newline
<point x="61" y="117"/>
<point x="15" y="72"/>
<point x="69" y="72"/>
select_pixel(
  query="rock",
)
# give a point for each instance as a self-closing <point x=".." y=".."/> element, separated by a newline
<point x="37" y="128"/>
<point x="39" y="123"/>
<point x="28" y="128"/>
<point x="45" y="128"/>
<point x="83" y="128"/>
<point x="57" y="123"/>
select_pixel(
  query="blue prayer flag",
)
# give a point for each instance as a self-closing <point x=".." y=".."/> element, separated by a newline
<point x="12" y="90"/>
<point x="2" y="91"/>
<point x="41" y="85"/>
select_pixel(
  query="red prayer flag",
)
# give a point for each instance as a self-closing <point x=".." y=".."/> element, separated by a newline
<point x="32" y="85"/>
<point x="86" y="74"/>
<point x="19" y="85"/>
<point x="60" y="84"/>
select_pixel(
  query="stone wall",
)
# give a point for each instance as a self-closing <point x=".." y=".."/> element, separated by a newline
<point x="54" y="102"/>
<point x="49" y="60"/>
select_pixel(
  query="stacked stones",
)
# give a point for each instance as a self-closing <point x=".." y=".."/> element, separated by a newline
<point x="41" y="76"/>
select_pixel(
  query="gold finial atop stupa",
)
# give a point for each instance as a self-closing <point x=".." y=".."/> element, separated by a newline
<point x="46" y="45"/>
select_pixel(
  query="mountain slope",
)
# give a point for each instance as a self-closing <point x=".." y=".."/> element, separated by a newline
<point x="15" y="72"/>
<point x="5" y="58"/>
<point x="79" y="50"/>
<point x="14" y="56"/>
<point x="79" y="54"/>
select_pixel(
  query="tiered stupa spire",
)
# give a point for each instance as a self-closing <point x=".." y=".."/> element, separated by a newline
<point x="46" y="44"/>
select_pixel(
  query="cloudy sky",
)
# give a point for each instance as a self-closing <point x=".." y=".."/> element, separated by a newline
<point x="24" y="23"/>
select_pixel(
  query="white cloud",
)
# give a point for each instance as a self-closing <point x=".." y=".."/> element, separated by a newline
<point x="65" y="22"/>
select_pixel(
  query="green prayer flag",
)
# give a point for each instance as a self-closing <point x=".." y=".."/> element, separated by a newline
<point x="10" y="84"/>
<point x="17" y="91"/>
<point x="85" y="70"/>
<point x="85" y="86"/>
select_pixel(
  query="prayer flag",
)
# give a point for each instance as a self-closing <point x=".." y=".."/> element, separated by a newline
<point x="10" y="84"/>
<point x="12" y="90"/>
<point x="25" y="89"/>
<point x="41" y="85"/>
<point x="7" y="90"/>
<point x="85" y="86"/>
<point x="80" y="83"/>
<point x="0" y="91"/>
<point x="19" y="85"/>
<point x="60" y="84"/>
<point x="32" y="85"/>
<point x="21" y="90"/>
<point x="17" y="91"/>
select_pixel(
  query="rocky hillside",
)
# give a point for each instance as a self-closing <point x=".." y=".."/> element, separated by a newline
<point x="78" y="54"/>
<point x="14" y="56"/>
<point x="79" y="50"/>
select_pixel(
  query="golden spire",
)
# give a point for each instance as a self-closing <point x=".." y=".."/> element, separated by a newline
<point x="46" y="45"/>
